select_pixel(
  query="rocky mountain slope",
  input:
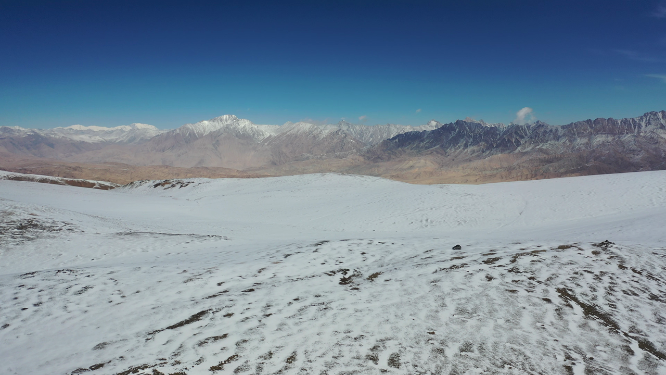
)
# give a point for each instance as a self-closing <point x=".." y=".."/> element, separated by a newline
<point x="474" y="138"/>
<point x="583" y="147"/>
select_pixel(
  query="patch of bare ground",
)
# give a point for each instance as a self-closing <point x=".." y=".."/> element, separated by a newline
<point x="20" y="229"/>
<point x="192" y="319"/>
<point x="101" y="185"/>
<point x="116" y="173"/>
<point x="430" y="168"/>
<point x="220" y="366"/>
<point x="593" y="311"/>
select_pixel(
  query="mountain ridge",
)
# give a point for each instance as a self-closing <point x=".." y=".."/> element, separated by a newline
<point x="429" y="152"/>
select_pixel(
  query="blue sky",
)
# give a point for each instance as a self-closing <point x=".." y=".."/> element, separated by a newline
<point x="167" y="63"/>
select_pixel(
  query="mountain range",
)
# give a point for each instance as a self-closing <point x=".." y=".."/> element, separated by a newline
<point x="462" y="151"/>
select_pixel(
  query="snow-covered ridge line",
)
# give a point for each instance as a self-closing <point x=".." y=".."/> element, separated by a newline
<point x="135" y="125"/>
<point x="373" y="134"/>
<point x="92" y="184"/>
<point x="369" y="134"/>
<point x="92" y="134"/>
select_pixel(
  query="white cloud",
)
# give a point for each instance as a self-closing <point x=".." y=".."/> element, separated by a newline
<point x="524" y="116"/>
<point x="657" y="76"/>
<point x="638" y="56"/>
<point x="418" y="110"/>
<point x="660" y="12"/>
<point x="363" y="118"/>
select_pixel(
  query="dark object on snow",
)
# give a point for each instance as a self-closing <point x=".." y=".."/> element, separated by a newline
<point x="457" y="247"/>
<point x="604" y="244"/>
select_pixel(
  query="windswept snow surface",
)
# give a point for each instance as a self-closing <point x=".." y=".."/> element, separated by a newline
<point x="335" y="274"/>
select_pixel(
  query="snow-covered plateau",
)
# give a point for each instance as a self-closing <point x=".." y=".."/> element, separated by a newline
<point x="335" y="274"/>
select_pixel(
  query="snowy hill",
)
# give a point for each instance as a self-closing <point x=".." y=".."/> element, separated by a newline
<point x="334" y="274"/>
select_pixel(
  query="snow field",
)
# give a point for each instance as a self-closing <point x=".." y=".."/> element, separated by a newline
<point x="329" y="274"/>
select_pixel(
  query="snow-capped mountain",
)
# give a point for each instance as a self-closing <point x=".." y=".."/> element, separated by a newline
<point x="133" y="133"/>
<point x="238" y="143"/>
<point x="127" y="134"/>
<point x="67" y="142"/>
<point x="229" y="124"/>
<point x="534" y="150"/>
<point x="372" y="135"/>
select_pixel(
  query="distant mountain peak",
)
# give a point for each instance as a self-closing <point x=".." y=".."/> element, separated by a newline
<point x="225" y="118"/>
<point x="229" y="124"/>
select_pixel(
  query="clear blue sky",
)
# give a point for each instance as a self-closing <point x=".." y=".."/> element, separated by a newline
<point x="167" y="63"/>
